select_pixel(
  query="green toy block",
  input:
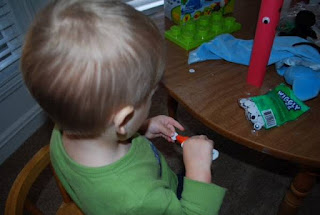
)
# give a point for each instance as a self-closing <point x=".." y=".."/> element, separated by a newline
<point x="195" y="32"/>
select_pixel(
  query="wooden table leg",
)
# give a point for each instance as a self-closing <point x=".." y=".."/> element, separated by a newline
<point x="299" y="189"/>
<point x="172" y="107"/>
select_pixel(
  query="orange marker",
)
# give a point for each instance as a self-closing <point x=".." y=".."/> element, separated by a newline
<point x="180" y="139"/>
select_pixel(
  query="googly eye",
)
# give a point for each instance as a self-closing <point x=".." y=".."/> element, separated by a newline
<point x="266" y="20"/>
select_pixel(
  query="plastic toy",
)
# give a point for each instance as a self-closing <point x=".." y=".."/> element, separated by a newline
<point x="304" y="80"/>
<point x="192" y="5"/>
<point x="252" y="113"/>
<point x="195" y="32"/>
<point x="180" y="139"/>
<point x="180" y="11"/>
<point x="268" y="20"/>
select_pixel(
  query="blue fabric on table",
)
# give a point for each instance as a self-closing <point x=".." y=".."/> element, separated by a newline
<point x="238" y="51"/>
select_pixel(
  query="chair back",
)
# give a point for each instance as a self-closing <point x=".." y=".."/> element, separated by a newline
<point x="17" y="200"/>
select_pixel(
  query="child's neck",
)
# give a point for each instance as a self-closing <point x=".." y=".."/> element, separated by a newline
<point x="95" y="152"/>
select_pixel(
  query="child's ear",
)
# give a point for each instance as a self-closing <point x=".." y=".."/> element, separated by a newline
<point x="121" y="118"/>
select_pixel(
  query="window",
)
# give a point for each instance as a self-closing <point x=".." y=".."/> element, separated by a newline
<point x="146" y="6"/>
<point x="10" y="42"/>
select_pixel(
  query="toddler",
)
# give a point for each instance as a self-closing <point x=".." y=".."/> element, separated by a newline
<point x="93" y="66"/>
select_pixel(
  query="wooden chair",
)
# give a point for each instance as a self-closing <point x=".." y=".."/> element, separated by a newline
<point x="17" y="199"/>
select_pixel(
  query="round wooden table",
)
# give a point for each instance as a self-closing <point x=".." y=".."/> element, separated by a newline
<point x="211" y="95"/>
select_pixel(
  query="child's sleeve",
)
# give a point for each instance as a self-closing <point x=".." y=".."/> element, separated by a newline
<point x="197" y="199"/>
<point x="208" y="196"/>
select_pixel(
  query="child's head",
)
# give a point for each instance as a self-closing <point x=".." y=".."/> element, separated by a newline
<point x="85" y="60"/>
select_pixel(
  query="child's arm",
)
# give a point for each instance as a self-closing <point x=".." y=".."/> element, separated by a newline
<point x="198" y="198"/>
<point x="160" y="126"/>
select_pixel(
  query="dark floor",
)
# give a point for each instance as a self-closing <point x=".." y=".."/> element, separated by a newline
<point x="256" y="182"/>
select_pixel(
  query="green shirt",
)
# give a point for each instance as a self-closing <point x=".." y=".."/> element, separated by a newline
<point x="132" y="185"/>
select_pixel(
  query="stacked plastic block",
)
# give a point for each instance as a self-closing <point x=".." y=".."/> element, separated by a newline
<point x="195" y="32"/>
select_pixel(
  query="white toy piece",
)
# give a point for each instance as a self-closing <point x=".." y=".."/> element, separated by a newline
<point x="174" y="137"/>
<point x="252" y="113"/>
<point x="192" y="70"/>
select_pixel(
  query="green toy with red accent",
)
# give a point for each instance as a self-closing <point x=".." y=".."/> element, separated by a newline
<point x="197" y="31"/>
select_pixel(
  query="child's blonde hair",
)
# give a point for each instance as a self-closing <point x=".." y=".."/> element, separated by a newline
<point x="84" y="60"/>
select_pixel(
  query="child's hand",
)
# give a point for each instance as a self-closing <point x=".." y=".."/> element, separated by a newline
<point x="161" y="126"/>
<point x="197" y="158"/>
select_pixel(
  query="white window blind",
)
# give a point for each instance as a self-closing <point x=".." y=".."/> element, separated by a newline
<point x="10" y="39"/>
<point x="146" y="6"/>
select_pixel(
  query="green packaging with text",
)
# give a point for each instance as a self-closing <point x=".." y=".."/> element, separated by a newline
<point x="279" y="106"/>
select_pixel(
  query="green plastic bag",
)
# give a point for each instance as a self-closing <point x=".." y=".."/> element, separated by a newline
<point x="277" y="107"/>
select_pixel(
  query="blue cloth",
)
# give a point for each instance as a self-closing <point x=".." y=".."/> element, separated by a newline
<point x="238" y="51"/>
<point x="300" y="65"/>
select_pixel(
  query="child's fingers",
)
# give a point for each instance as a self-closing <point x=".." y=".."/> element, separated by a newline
<point x="172" y="129"/>
<point x="175" y="124"/>
<point x="167" y="130"/>
<point x="166" y="138"/>
<point x="203" y="137"/>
